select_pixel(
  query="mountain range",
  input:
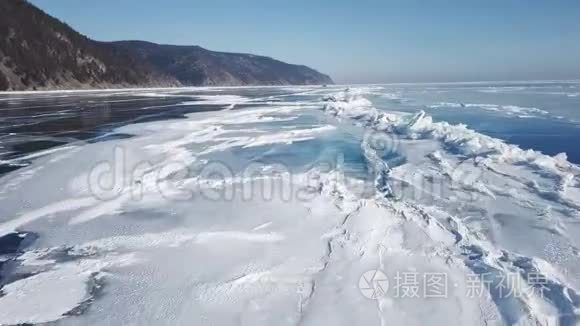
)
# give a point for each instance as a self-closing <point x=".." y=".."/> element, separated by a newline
<point x="39" y="52"/>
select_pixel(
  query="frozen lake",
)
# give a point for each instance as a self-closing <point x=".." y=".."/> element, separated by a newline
<point x="363" y="204"/>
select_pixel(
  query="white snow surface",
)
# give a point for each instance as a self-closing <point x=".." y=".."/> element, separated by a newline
<point x="191" y="221"/>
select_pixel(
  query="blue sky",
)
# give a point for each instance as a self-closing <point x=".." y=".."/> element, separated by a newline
<point x="357" y="41"/>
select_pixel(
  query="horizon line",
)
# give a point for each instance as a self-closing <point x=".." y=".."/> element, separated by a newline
<point x="93" y="90"/>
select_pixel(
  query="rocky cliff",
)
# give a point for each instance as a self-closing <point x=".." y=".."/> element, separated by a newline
<point x="38" y="51"/>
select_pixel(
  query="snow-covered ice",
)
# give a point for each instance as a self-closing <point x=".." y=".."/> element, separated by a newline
<point x="272" y="213"/>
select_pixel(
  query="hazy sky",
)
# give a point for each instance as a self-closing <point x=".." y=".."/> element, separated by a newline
<point x="357" y="41"/>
